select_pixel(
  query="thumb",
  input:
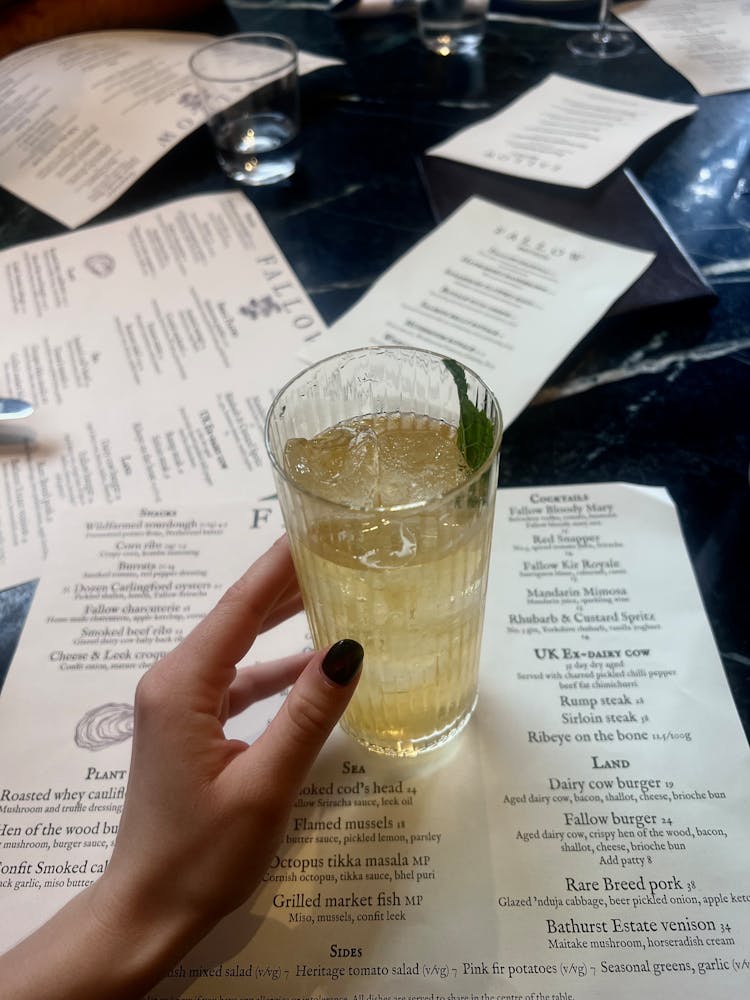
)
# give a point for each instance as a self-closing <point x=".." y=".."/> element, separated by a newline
<point x="312" y="708"/>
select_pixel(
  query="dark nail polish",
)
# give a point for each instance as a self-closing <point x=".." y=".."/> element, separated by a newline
<point x="342" y="661"/>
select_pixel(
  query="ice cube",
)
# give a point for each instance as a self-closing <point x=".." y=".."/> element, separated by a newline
<point x="339" y="464"/>
<point x="378" y="461"/>
<point x="418" y="460"/>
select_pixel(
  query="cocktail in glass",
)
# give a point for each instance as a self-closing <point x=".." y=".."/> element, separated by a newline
<point x="386" y="463"/>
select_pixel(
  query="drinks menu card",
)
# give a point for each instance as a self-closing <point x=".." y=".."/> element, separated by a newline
<point x="618" y="210"/>
<point x="585" y="836"/>
<point x="707" y="41"/>
<point x="86" y="115"/>
<point x="504" y="293"/>
<point x="563" y="132"/>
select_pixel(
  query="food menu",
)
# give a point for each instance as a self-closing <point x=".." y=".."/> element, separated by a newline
<point x="584" y="837"/>
<point x="616" y="770"/>
<point x="143" y="345"/>
<point x="84" y="116"/>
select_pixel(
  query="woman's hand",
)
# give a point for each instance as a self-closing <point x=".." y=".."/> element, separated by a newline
<point x="203" y="814"/>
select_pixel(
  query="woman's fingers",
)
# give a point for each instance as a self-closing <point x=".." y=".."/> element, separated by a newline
<point x="224" y="636"/>
<point x="287" y="749"/>
<point x="285" y="608"/>
<point x="261" y="680"/>
<point x="287" y="598"/>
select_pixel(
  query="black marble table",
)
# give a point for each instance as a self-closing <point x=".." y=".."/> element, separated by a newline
<point x="658" y="396"/>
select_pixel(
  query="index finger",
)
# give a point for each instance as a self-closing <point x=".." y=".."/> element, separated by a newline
<point x="228" y="631"/>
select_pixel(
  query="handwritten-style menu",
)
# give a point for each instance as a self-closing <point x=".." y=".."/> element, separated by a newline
<point x="584" y="837"/>
<point x="502" y="292"/>
<point x="563" y="132"/>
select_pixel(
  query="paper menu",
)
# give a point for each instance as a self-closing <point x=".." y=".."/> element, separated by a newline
<point x="112" y="102"/>
<point x="124" y="586"/>
<point x="504" y="293"/>
<point x="367" y="838"/>
<point x="144" y="345"/>
<point x="620" y="830"/>
<point x="603" y="713"/>
<point x="707" y="41"/>
<point x="563" y="132"/>
<point x="86" y="115"/>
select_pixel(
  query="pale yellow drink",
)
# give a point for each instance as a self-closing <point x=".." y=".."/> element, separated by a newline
<point x="390" y="531"/>
<point x="409" y="586"/>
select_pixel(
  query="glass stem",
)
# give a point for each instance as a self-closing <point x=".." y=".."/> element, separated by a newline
<point x="603" y="29"/>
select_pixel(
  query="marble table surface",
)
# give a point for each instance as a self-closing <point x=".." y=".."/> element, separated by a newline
<point x="658" y="397"/>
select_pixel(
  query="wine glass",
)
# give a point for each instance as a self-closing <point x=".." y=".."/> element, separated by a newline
<point x="602" y="42"/>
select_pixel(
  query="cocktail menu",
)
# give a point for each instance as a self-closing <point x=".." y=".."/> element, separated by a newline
<point x="585" y="836"/>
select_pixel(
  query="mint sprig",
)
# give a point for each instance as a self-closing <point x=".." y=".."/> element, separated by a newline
<point x="476" y="432"/>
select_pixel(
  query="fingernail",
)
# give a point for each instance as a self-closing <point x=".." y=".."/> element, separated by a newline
<point x="342" y="661"/>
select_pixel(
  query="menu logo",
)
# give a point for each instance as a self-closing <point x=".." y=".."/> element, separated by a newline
<point x="100" y="264"/>
<point x="190" y="99"/>
<point x="260" y="308"/>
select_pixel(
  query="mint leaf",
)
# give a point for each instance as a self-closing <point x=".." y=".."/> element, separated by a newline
<point x="476" y="433"/>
